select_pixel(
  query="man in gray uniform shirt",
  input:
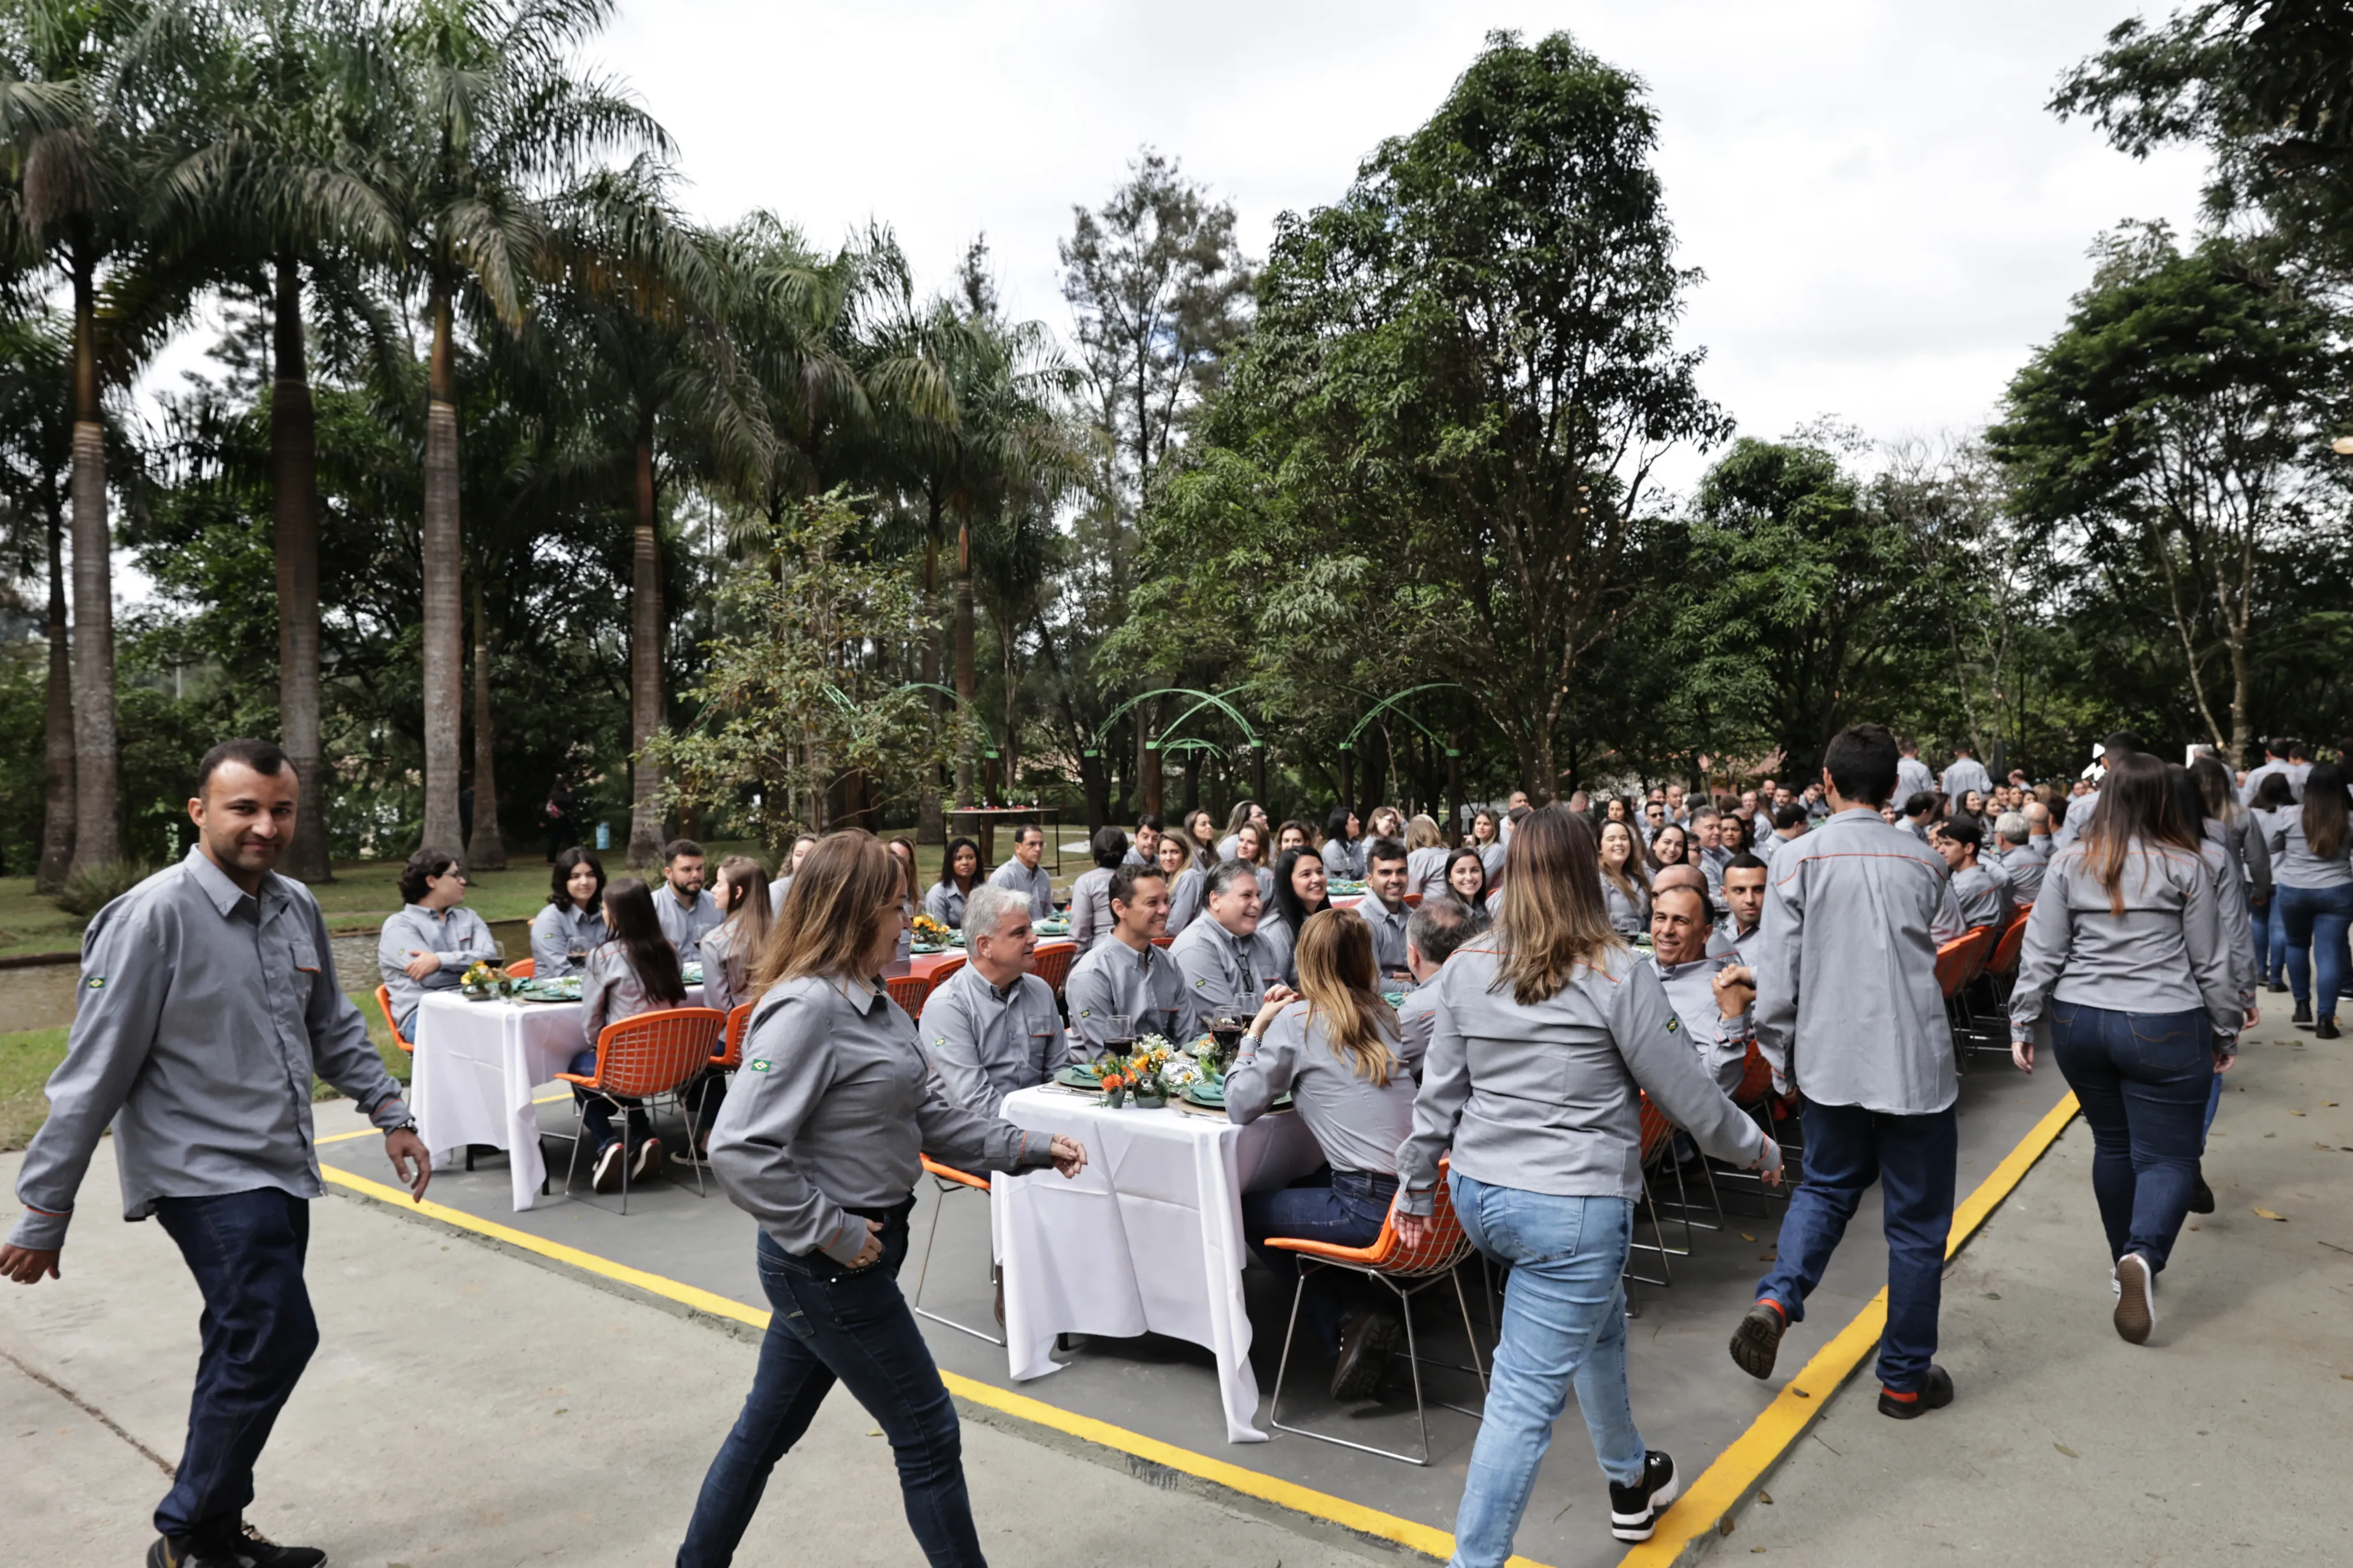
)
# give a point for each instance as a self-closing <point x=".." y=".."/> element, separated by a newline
<point x="2022" y="864"/>
<point x="1983" y="897"/>
<point x="1025" y="874"/>
<point x="1710" y="992"/>
<point x="1965" y="773"/>
<point x="1848" y="1009"/>
<point x="1434" y="932"/>
<point x="1383" y="905"/>
<point x="208" y="1001"/>
<point x="1912" y="774"/>
<point x="992" y="1027"/>
<point x="685" y="911"/>
<point x="1124" y="976"/>
<point x="1226" y="965"/>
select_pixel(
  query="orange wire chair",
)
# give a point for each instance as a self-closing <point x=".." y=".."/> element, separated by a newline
<point x="1405" y="1271"/>
<point x="730" y="1057"/>
<point x="383" y="1001"/>
<point x="645" y="1058"/>
<point x="950" y="1181"/>
<point x="909" y="991"/>
<point x="1052" y="963"/>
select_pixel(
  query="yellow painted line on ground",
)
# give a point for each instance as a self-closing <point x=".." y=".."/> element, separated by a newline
<point x="1422" y="1538"/>
<point x="371" y="1133"/>
<point x="1720" y="1487"/>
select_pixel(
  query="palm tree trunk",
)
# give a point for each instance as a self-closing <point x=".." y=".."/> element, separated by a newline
<point x="97" y="832"/>
<point x="967" y="674"/>
<point x="444" y="623"/>
<point x="488" y="850"/>
<point x="645" y="660"/>
<point x="58" y="758"/>
<point x="294" y="515"/>
<point x="931" y="827"/>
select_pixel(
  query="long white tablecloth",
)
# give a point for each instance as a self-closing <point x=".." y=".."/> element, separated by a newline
<point x="477" y="1063"/>
<point x="1147" y="1239"/>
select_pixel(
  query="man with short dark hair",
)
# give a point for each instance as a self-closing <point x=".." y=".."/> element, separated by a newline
<point x="1912" y="774"/>
<point x="208" y="1002"/>
<point x="1026" y="872"/>
<point x="1383" y="906"/>
<point x="1145" y="850"/>
<point x="685" y="911"/>
<point x="1125" y="975"/>
<point x="1983" y="899"/>
<point x="1227" y="966"/>
<point x="1711" y="993"/>
<point x="1965" y="774"/>
<point x="1789" y="824"/>
<point x="992" y="1027"/>
<point x="1853" y="921"/>
<point x="1919" y="812"/>
<point x="432" y="940"/>
<point x="1744" y="877"/>
<point x="1654" y="819"/>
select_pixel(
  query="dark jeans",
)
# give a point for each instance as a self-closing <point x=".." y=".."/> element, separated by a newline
<point x="246" y="1250"/>
<point x="2259" y="921"/>
<point x="2318" y="918"/>
<point x="597" y="1110"/>
<point x="2143" y="1080"/>
<point x="2275" y="957"/>
<point x="1343" y="1207"/>
<point x="831" y="1323"/>
<point x="1912" y="1158"/>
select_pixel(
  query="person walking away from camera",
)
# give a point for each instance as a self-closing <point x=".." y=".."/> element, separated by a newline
<point x="2312" y="875"/>
<point x="571" y="925"/>
<point x="434" y="939"/>
<point x="1549" y="1030"/>
<point x="1912" y="776"/>
<point x="2122" y="742"/>
<point x="207" y="1003"/>
<point x="2126" y="955"/>
<point x="636" y="970"/>
<point x="2206" y="796"/>
<point x="821" y="1142"/>
<point x="1848" y="1010"/>
<point x="1337" y="1050"/>
<point x="2274" y="802"/>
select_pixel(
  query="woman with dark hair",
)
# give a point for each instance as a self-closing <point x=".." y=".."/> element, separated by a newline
<point x="729" y="947"/>
<point x="1625" y="881"/>
<point x="2205" y="794"/>
<point x="959" y="875"/>
<point x="1250" y="848"/>
<point x="1733" y="836"/>
<point x="2274" y="802"/>
<point x="1466" y="881"/>
<point x="2312" y="869"/>
<point x="571" y="925"/>
<point x="1487" y="837"/>
<point x="1245" y="813"/>
<point x="821" y="1143"/>
<point x="1091" y="917"/>
<point x="1671" y="848"/>
<point x="1336" y="1049"/>
<point x="1546" y="1034"/>
<point x="1299" y="894"/>
<point x="1202" y="839"/>
<point x="432" y="942"/>
<point x="2124" y="953"/>
<point x="636" y="970"/>
<point x="1343" y="846"/>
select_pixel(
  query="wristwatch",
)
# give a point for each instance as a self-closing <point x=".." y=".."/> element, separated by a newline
<point x="407" y="1126"/>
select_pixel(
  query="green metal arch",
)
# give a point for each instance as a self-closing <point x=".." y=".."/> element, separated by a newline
<point x="1391" y="701"/>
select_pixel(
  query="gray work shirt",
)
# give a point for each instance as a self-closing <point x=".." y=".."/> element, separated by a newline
<point x="456" y="937"/>
<point x="1091" y="917"/>
<point x="1283" y="942"/>
<point x="1357" y="1123"/>
<point x="2230" y="906"/>
<point x="1545" y="1097"/>
<point x="1418" y="1019"/>
<point x="1388" y="932"/>
<point x="1111" y="980"/>
<point x="685" y="924"/>
<point x="833" y="1111"/>
<point x="610" y="991"/>
<point x="1038" y="884"/>
<point x="726" y="969"/>
<point x="943" y="902"/>
<point x="1345" y="858"/>
<point x="1185" y="898"/>
<point x="1223" y="972"/>
<point x="1967" y="774"/>
<point x="2024" y="866"/>
<point x="203" y="1012"/>
<point x="2079" y="816"/>
<point x="1983" y="899"/>
<point x="563" y="936"/>
<point x="1847" y="971"/>
<point x="1720" y="1043"/>
<point x="1425" y="871"/>
<point x="2294" y="863"/>
<point x="1911" y="777"/>
<point x="2165" y="953"/>
<point x="2294" y="772"/>
<point x="984" y="1043"/>
<point x="1629" y="907"/>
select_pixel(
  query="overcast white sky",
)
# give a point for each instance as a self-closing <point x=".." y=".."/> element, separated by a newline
<point x="1887" y="216"/>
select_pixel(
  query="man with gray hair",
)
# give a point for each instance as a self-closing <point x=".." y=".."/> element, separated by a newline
<point x="2021" y="863"/>
<point x="992" y="1027"/>
<point x="1227" y="966"/>
<point x="1434" y="932"/>
<point x="1025" y="874"/>
<point x="1124" y="976"/>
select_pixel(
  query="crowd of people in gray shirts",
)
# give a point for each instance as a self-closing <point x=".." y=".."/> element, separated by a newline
<point x="1489" y="1016"/>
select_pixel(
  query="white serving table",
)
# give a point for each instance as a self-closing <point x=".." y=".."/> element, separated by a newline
<point x="477" y="1066"/>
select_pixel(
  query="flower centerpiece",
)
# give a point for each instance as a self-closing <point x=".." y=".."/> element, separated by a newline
<point x="931" y="932"/>
<point x="480" y="983"/>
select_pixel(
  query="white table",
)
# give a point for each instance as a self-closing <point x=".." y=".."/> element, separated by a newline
<point x="477" y="1063"/>
<point x="1147" y="1239"/>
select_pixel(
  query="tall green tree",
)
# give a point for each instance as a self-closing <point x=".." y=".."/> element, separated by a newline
<point x="36" y="464"/>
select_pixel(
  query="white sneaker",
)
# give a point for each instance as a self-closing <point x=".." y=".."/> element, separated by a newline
<point x="2135" y="1314"/>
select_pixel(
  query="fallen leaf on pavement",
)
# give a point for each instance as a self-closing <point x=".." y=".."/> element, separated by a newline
<point x="2266" y="1214"/>
<point x="1746" y="1236"/>
<point x="2066" y="1450"/>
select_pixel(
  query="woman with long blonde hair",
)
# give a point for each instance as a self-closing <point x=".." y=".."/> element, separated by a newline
<point x="1548" y="1032"/>
<point x="730" y="948"/>
<point x="821" y="1142"/>
<point x="1334" y="1046"/>
<point x="1426" y="851"/>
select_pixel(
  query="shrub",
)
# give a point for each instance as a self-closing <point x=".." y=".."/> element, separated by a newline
<point x="92" y="888"/>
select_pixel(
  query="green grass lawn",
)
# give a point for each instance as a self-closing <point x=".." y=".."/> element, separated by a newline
<point x="28" y="1057"/>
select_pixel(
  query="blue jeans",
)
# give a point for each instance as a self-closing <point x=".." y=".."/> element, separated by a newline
<point x="2316" y="918"/>
<point x="2275" y="933"/>
<point x="596" y="1111"/>
<point x="830" y="1324"/>
<point x="1343" y="1207"/>
<point x="246" y="1250"/>
<point x="2259" y="919"/>
<point x="1564" y="1324"/>
<point x="2145" y="1081"/>
<point x="1911" y="1158"/>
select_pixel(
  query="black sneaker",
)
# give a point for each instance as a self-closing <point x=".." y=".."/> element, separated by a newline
<point x="646" y="1163"/>
<point x="1367" y="1342"/>
<point x="249" y="1548"/>
<point x="2302" y="1018"/>
<point x="2277" y="988"/>
<point x="2324" y="1030"/>
<point x="1758" y="1341"/>
<point x="1634" y="1509"/>
<point x="1935" y="1394"/>
<point x="2201" y="1196"/>
<point x="607" y="1178"/>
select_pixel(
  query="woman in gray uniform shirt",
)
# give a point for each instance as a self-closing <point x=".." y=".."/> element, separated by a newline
<point x="1546" y="1034"/>
<point x="820" y="1141"/>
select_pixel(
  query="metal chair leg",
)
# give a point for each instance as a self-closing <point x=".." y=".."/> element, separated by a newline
<point x="923" y="1271"/>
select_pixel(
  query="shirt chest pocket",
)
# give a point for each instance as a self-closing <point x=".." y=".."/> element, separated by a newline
<point x="1042" y="1030"/>
<point x="302" y="971"/>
